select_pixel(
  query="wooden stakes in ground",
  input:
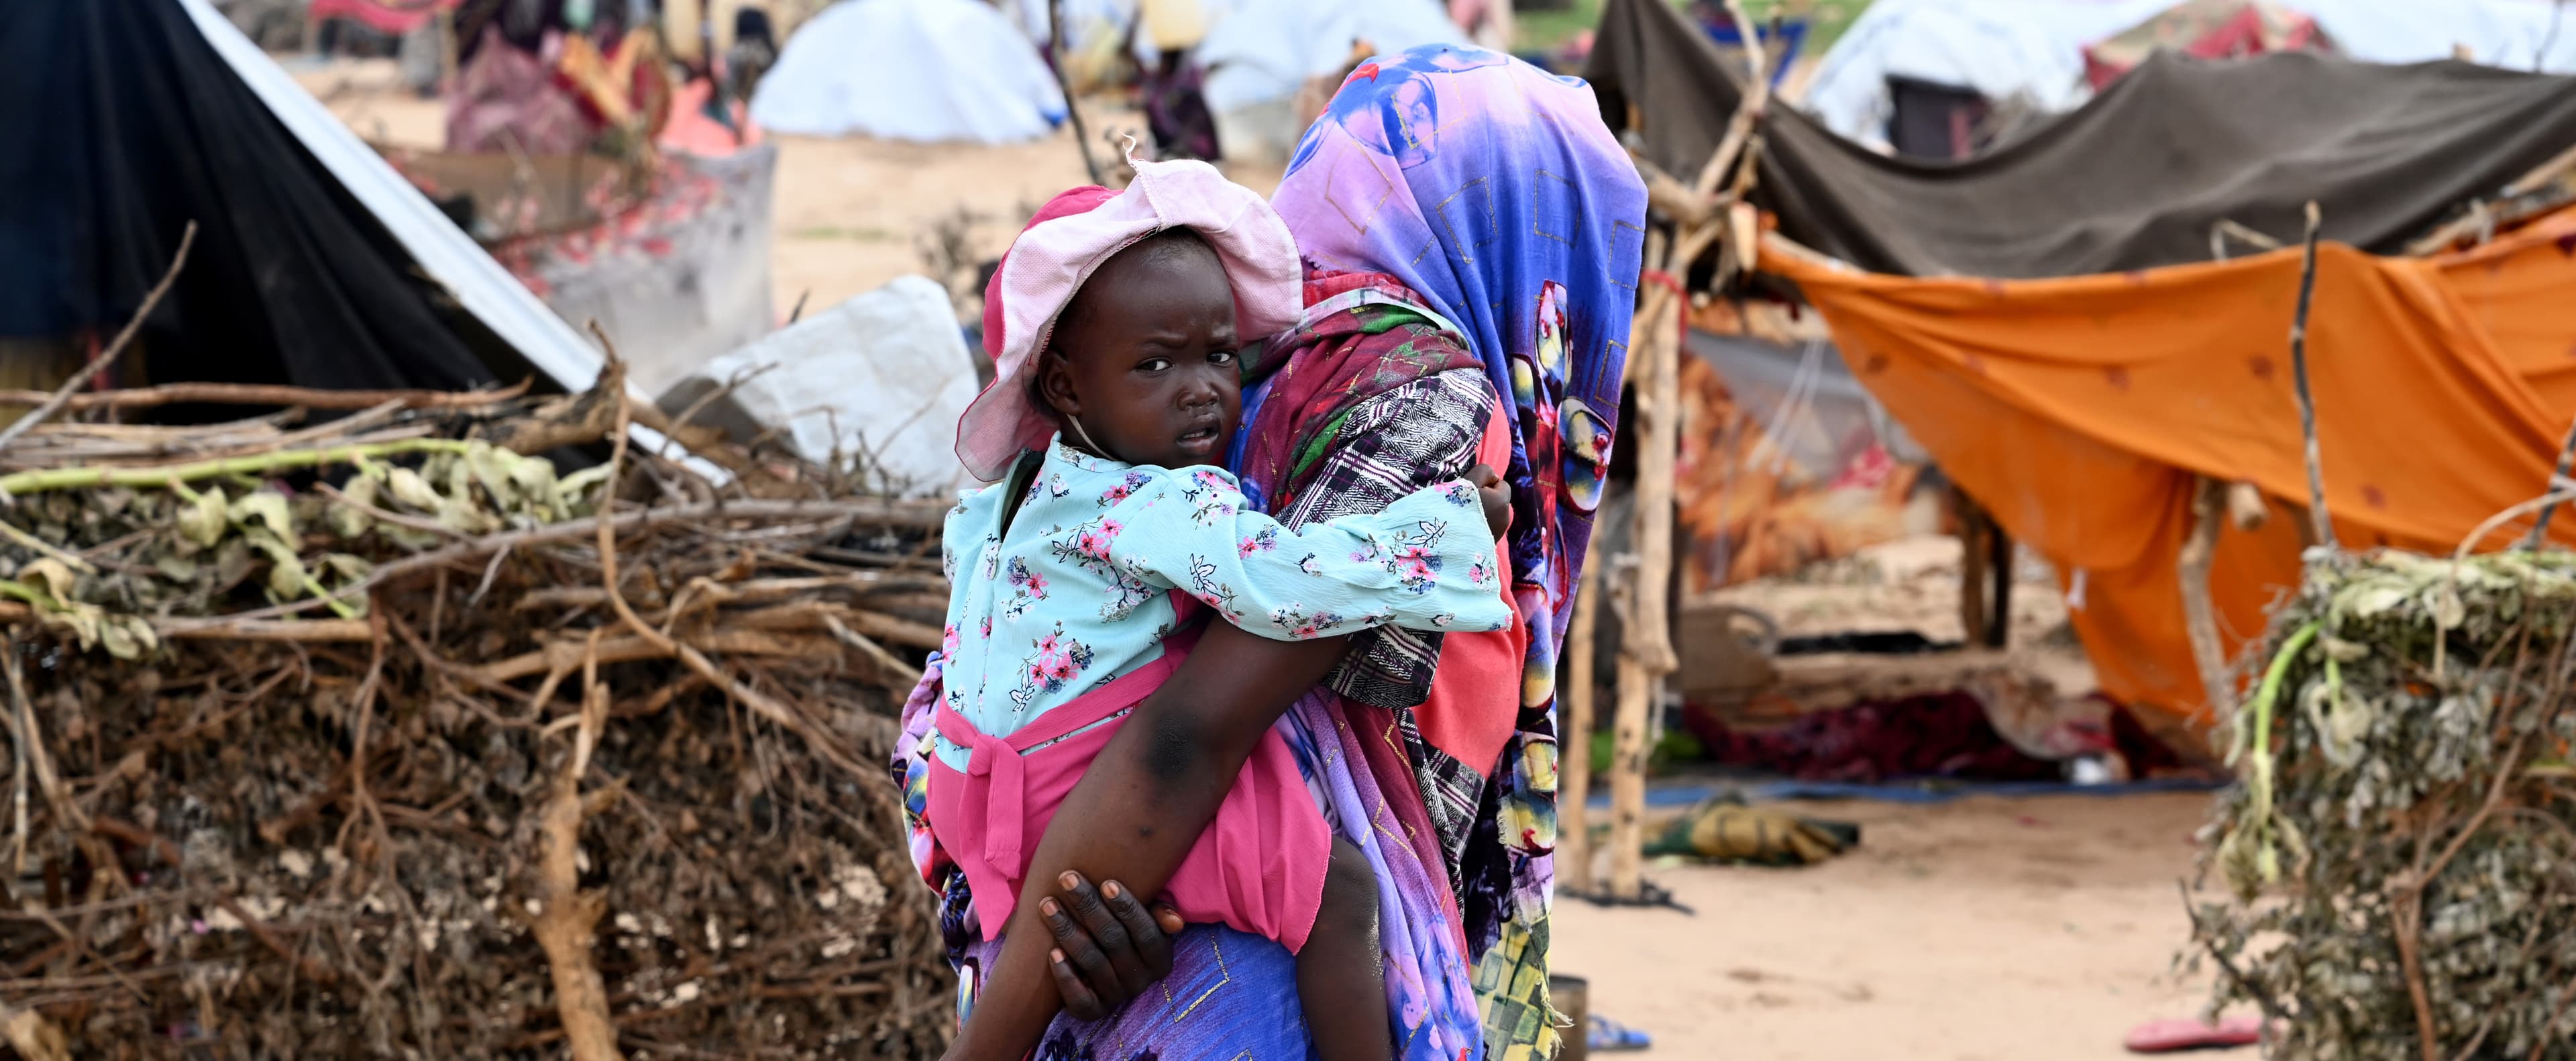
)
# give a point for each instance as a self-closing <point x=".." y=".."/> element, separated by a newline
<point x="1645" y="641"/>
<point x="1574" y="737"/>
<point x="1985" y="574"/>
<point x="1645" y="645"/>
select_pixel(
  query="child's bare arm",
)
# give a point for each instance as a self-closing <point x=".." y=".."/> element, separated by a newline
<point x="1137" y="811"/>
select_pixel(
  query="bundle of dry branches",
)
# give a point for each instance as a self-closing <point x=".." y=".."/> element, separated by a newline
<point x="2402" y="843"/>
<point x="382" y="738"/>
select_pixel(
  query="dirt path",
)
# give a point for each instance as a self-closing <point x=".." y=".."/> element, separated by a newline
<point x="1982" y="930"/>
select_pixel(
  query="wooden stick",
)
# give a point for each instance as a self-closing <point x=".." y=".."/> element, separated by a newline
<point x="1667" y="195"/>
<point x="2246" y="507"/>
<point x="255" y="465"/>
<point x="822" y="743"/>
<point x="2559" y="165"/>
<point x="54" y="403"/>
<point x="34" y="1037"/>
<point x="1973" y="528"/>
<point x="2226" y="228"/>
<point x="2321" y="524"/>
<point x="2540" y="524"/>
<point x="2199" y="615"/>
<point x="1999" y="585"/>
<point x="223" y="629"/>
<point x="568" y="914"/>
<point x="552" y="658"/>
<point x="1574" y="737"/>
<point x="1072" y="110"/>
<point x="869" y="512"/>
<point x="260" y="394"/>
<point x="1757" y="96"/>
<point x="1645" y="645"/>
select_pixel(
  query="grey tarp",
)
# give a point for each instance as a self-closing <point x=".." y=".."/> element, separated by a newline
<point x="2133" y="179"/>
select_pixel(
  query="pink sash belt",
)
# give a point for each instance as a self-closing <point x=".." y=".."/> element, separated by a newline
<point x="994" y="797"/>
<point x="1258" y="865"/>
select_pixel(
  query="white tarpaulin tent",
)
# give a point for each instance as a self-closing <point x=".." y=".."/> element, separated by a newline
<point x="2035" y="48"/>
<point x="1265" y="49"/>
<point x="923" y="70"/>
<point x="881" y="378"/>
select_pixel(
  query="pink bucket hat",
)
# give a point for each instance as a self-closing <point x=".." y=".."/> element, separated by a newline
<point x="1071" y="237"/>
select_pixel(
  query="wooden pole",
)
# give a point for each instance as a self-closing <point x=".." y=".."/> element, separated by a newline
<point x="2321" y="525"/>
<point x="1757" y="94"/>
<point x="1972" y="567"/>
<point x="1645" y="642"/>
<point x="2246" y="507"/>
<point x="1999" y="579"/>
<point x="1574" y="737"/>
<point x="2540" y="526"/>
<point x="1072" y="110"/>
<point x="2200" y="617"/>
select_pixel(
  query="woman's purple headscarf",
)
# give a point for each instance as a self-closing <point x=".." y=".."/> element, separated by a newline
<point x="1493" y="191"/>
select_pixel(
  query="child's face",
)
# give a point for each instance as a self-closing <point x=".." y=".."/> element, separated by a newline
<point x="1148" y="362"/>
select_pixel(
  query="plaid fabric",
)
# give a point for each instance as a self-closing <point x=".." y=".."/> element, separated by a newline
<point x="1412" y="436"/>
<point x="1452" y="792"/>
<point x="1408" y="437"/>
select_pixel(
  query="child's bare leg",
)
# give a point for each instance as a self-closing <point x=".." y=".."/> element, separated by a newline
<point x="1341" y="972"/>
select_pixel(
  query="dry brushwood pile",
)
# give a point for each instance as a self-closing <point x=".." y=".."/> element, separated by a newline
<point x="2402" y="844"/>
<point x="381" y="738"/>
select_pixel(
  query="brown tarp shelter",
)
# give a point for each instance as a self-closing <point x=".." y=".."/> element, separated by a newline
<point x="2136" y="178"/>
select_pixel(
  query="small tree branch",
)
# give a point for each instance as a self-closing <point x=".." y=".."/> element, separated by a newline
<point x="114" y="349"/>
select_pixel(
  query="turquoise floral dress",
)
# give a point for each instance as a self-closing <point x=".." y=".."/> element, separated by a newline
<point x="1078" y="590"/>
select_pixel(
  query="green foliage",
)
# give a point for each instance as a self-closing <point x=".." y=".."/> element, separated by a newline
<point x="175" y="550"/>
<point x="2403" y="795"/>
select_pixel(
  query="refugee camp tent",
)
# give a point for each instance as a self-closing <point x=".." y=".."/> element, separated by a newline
<point x="2078" y="365"/>
<point x="2207" y="29"/>
<point x="923" y="70"/>
<point x="2136" y="178"/>
<point x="1265" y="49"/>
<point x="315" y="263"/>
<point x="2035" y="48"/>
<point x="2080" y="410"/>
<point x="1258" y="55"/>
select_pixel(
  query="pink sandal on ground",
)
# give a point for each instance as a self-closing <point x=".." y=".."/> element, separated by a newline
<point x="2175" y="1036"/>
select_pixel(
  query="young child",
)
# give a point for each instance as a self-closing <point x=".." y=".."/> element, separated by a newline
<point x="1116" y="321"/>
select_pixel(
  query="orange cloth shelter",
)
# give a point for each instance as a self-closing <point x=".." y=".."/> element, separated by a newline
<point x="2079" y="409"/>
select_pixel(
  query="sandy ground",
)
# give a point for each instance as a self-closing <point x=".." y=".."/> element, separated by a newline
<point x="1976" y="931"/>
<point x="853" y="214"/>
<point x="1981" y="930"/>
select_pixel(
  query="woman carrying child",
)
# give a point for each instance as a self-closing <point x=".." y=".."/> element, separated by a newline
<point x="1491" y="228"/>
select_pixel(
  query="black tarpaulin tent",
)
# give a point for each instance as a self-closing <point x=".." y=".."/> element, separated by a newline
<point x="315" y="263"/>
<point x="2135" y="178"/>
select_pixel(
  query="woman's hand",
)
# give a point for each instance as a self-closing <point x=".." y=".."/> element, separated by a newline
<point x="1496" y="495"/>
<point x="1108" y="947"/>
